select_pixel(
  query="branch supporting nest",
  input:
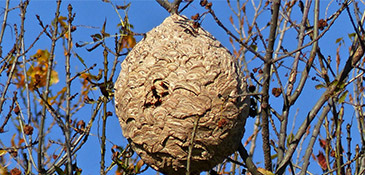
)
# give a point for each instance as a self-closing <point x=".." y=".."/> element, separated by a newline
<point x="171" y="7"/>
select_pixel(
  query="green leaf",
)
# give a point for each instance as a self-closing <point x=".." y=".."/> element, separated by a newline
<point x="339" y="40"/>
<point x="274" y="156"/>
<point x="340" y="113"/>
<point x="99" y="76"/>
<point x="59" y="171"/>
<point x="289" y="139"/>
<point x="341" y="85"/>
<point x="123" y="7"/>
<point x="103" y="30"/>
<point x="81" y="60"/>
<point x="333" y="83"/>
<point x="81" y="44"/>
<point x="96" y="37"/>
<point x="343" y="97"/>
<point x="351" y="35"/>
<point x="319" y="86"/>
<point x="254" y="47"/>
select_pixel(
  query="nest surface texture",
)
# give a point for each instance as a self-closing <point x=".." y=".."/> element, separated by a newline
<point x="175" y="76"/>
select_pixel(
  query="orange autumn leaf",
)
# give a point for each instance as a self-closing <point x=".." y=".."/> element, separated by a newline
<point x="40" y="69"/>
<point x="322" y="143"/>
<point x="37" y="69"/>
<point x="12" y="140"/>
<point x="351" y="99"/>
<point x="128" y="41"/>
<point x="20" y="142"/>
<point x="231" y="19"/>
<point x="66" y="35"/>
<point x="20" y="80"/>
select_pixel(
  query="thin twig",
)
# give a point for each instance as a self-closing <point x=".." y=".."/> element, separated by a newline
<point x="80" y="141"/>
<point x="334" y="17"/>
<point x="11" y="108"/>
<point x="28" y="145"/>
<point x="67" y="130"/>
<point x="191" y="145"/>
<point x="46" y="93"/>
<point x="104" y="116"/>
<point x="220" y="24"/>
<point x="3" y="25"/>
<point x="187" y="5"/>
<point x="79" y="73"/>
<point x="343" y="165"/>
<point x="313" y="139"/>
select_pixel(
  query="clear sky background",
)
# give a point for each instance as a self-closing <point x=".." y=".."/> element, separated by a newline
<point x="144" y="15"/>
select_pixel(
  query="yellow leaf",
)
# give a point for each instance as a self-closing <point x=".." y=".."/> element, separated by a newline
<point x="62" y="20"/>
<point x="2" y="152"/>
<point x="139" y="164"/>
<point x="265" y="172"/>
<point x="53" y="100"/>
<point x="42" y="56"/>
<point x="54" y="77"/>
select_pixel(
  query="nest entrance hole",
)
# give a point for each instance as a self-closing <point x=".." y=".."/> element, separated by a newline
<point x="158" y="91"/>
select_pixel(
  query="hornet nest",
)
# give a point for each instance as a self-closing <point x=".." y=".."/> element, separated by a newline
<point x="178" y="75"/>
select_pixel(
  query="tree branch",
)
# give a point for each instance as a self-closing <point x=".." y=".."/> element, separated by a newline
<point x="247" y="159"/>
<point x="172" y="8"/>
<point x="266" y="85"/>
<point x="331" y="90"/>
<point x="46" y="93"/>
<point x="313" y="139"/>
<point x="68" y="94"/>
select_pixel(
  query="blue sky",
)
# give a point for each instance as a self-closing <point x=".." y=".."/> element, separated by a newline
<point x="144" y="15"/>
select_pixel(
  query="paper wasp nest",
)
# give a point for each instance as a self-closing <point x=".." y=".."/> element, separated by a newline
<point x="175" y="75"/>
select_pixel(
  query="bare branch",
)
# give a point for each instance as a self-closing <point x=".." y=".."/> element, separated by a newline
<point x="67" y="130"/>
<point x="233" y="36"/>
<point x="313" y="139"/>
<point x="248" y="161"/>
<point x="3" y="25"/>
<point x="46" y="93"/>
<point x="172" y="8"/>
<point x="265" y="109"/>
